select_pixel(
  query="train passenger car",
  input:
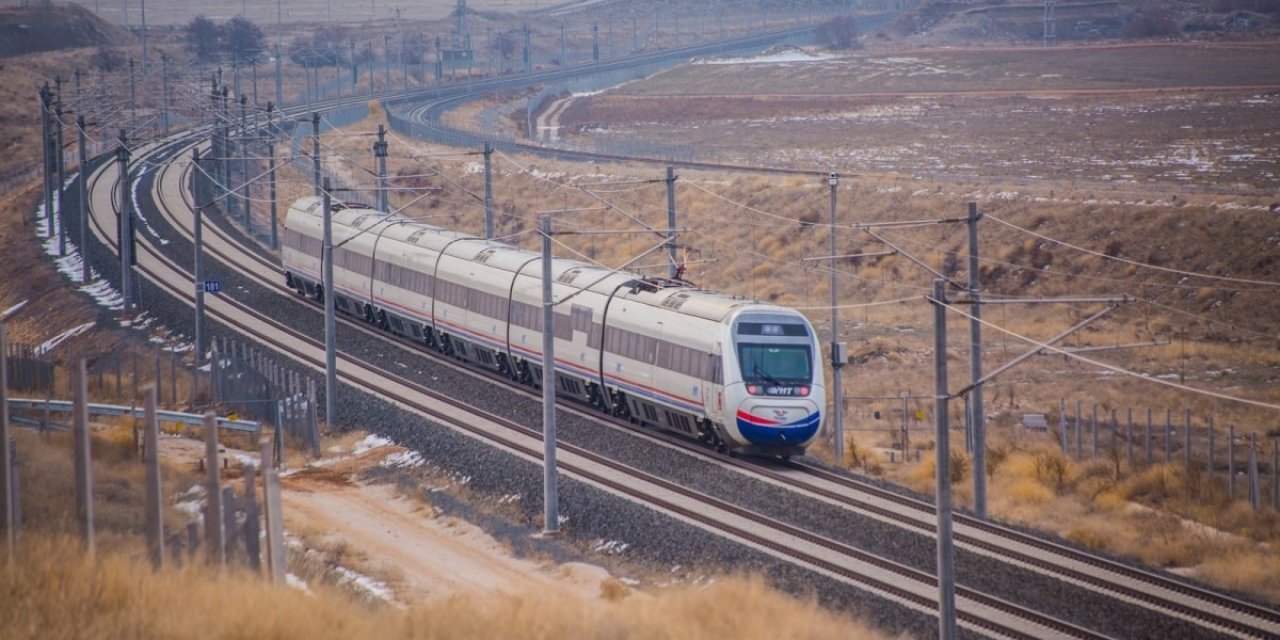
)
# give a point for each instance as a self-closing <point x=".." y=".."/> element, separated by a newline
<point x="738" y="375"/>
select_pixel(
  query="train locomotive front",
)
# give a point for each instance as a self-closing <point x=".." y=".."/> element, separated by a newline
<point x="773" y="389"/>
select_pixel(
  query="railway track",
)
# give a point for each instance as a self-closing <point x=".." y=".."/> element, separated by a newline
<point x="905" y="585"/>
<point x="840" y="561"/>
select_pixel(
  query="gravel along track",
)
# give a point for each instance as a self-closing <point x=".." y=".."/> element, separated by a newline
<point x="694" y="469"/>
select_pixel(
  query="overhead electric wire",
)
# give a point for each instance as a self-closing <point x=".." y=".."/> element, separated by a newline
<point x="1111" y="367"/>
<point x="1132" y="262"/>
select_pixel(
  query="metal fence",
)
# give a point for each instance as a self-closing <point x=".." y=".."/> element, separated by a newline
<point x="253" y="383"/>
<point x="1129" y="440"/>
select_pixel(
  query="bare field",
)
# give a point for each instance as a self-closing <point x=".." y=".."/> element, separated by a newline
<point x="1057" y="117"/>
<point x="162" y="13"/>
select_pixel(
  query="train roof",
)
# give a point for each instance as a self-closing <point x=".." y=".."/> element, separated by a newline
<point x="669" y="294"/>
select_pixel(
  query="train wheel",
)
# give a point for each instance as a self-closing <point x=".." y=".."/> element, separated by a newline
<point x="382" y="320"/>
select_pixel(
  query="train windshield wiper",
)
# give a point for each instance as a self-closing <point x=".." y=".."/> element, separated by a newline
<point x="767" y="378"/>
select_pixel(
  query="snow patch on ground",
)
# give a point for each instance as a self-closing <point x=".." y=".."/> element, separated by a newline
<point x="403" y="460"/>
<point x="51" y="343"/>
<point x="364" y="583"/>
<point x="788" y="55"/>
<point x="369" y="442"/>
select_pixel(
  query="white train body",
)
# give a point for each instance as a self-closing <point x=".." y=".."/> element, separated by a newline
<point x="736" y="374"/>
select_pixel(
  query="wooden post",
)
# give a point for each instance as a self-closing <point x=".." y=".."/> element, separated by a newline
<point x="1231" y="461"/>
<point x="7" y="494"/>
<point x="252" y="543"/>
<point x="83" y="455"/>
<point x="274" y="516"/>
<point x="193" y="540"/>
<point x="213" y="491"/>
<point x="175" y="549"/>
<point x="1255" y="497"/>
<point x="230" y="531"/>
<point x="151" y="458"/>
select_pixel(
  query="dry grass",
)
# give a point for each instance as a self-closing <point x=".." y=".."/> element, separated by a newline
<point x="1159" y="515"/>
<point x="54" y="593"/>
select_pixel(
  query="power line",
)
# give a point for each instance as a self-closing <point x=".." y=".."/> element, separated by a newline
<point x="1132" y="262"/>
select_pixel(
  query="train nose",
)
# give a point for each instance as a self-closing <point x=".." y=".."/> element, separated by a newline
<point x="790" y="422"/>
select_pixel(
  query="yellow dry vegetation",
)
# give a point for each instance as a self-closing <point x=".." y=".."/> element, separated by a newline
<point x="1161" y="515"/>
<point x="54" y="592"/>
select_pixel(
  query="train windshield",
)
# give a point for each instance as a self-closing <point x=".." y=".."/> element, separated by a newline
<point x="775" y="363"/>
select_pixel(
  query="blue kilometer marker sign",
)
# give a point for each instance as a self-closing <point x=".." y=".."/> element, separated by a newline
<point x="212" y="286"/>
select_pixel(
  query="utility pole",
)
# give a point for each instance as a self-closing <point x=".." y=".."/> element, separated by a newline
<point x="45" y="102"/>
<point x="279" y="78"/>
<point x="550" y="489"/>
<point x="563" y="61"/>
<point x="124" y="224"/>
<point x="386" y="60"/>
<point x="595" y="42"/>
<point x="488" y="190"/>
<point x="271" y="175"/>
<point x="164" y="79"/>
<point x="528" y="50"/>
<point x="198" y="271"/>
<point x="671" y="222"/>
<point x="380" y="152"/>
<point x="84" y="205"/>
<point x="62" y="174"/>
<point x="315" y="150"/>
<point x="837" y="347"/>
<point x="243" y="163"/>
<point x="977" y="413"/>
<point x="133" y="97"/>
<point x="942" y="466"/>
<point x="330" y="329"/>
<point x="144" y="37"/>
<point x="228" y="203"/>
<point x="7" y="494"/>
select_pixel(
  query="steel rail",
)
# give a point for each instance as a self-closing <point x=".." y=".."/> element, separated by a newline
<point x="251" y="322"/>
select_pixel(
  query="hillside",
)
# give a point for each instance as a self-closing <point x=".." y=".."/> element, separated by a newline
<point x="49" y="27"/>
<point x="986" y="23"/>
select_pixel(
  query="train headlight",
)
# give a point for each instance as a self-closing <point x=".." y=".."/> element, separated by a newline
<point x="753" y="389"/>
<point x="802" y="391"/>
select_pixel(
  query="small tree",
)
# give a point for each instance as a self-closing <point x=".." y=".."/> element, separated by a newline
<point x="839" y="33"/>
<point x="242" y="38"/>
<point x="506" y="44"/>
<point x="202" y="38"/>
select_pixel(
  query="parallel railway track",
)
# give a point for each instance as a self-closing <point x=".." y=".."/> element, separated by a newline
<point x="897" y="582"/>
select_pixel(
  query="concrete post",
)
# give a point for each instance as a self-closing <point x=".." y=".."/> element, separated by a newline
<point x="977" y="410"/>
<point x="274" y="515"/>
<point x="837" y="349"/>
<point x="198" y="271"/>
<point x="83" y="455"/>
<point x="942" y="466"/>
<point x="550" y="488"/>
<point x="213" y="492"/>
<point x="671" y="222"/>
<point x="330" y="328"/>
<point x="1255" y="500"/>
<point x="151" y="458"/>
<point x="125" y="224"/>
<point x="315" y="150"/>
<point x="488" y="190"/>
<point x="83" y="185"/>
<point x="1231" y="461"/>
<point x="7" y="510"/>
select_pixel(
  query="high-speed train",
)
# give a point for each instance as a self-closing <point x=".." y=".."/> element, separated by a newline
<point x="739" y="375"/>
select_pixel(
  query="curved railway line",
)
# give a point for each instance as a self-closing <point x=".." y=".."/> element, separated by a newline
<point x="1211" y="611"/>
